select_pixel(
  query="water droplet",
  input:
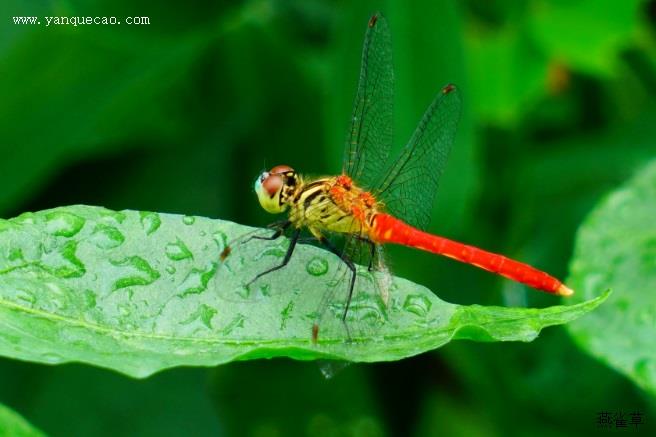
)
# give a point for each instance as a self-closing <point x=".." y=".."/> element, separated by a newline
<point x="317" y="266"/>
<point x="118" y="216"/>
<point x="150" y="221"/>
<point x="221" y="239"/>
<point x="106" y="237"/>
<point x="363" y="309"/>
<point x="331" y="368"/>
<point x="178" y="251"/>
<point x="204" y="313"/>
<point x="417" y="304"/>
<point x="137" y="272"/>
<point x="236" y="322"/>
<point x="188" y="219"/>
<point x="369" y="312"/>
<point x="63" y="262"/>
<point x="203" y="233"/>
<point x="197" y="280"/>
<point x="63" y="224"/>
<point x="170" y="270"/>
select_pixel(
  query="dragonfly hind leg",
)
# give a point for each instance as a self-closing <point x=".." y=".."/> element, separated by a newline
<point x="351" y="267"/>
<point x="372" y="252"/>
<point x="288" y="255"/>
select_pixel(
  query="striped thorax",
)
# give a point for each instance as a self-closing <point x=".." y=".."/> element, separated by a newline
<point x="333" y="204"/>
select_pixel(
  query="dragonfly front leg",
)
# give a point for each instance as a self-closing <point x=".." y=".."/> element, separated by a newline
<point x="280" y="227"/>
<point x="288" y="255"/>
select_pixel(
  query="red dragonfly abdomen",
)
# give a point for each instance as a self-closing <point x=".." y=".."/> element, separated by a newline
<point x="387" y="229"/>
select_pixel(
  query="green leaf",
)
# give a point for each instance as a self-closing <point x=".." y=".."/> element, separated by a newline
<point x="138" y="307"/>
<point x="616" y="248"/>
<point x="512" y="75"/>
<point x="609" y="27"/>
<point x="13" y="425"/>
<point x="112" y="111"/>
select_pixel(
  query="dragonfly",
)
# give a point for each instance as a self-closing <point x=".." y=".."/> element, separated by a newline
<point x="374" y="202"/>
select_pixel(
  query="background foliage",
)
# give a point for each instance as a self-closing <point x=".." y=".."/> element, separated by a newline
<point x="179" y="116"/>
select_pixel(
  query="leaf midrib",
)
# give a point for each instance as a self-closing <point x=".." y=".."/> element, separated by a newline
<point x="428" y="333"/>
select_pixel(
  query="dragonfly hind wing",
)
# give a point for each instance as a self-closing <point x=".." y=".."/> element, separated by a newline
<point x="409" y="186"/>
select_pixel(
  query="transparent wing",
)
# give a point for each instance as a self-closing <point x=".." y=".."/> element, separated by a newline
<point x="368" y="303"/>
<point x="409" y="186"/>
<point x="369" y="140"/>
<point x="235" y="261"/>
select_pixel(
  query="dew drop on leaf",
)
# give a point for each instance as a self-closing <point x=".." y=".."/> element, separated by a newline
<point x="150" y="221"/>
<point x="117" y="216"/>
<point x="236" y="322"/>
<point x="197" y="280"/>
<point x="136" y="271"/>
<point x="221" y="239"/>
<point x="63" y="224"/>
<point x="417" y="304"/>
<point x="178" y="251"/>
<point x="63" y="262"/>
<point x="317" y="266"/>
<point x="204" y="313"/>
<point x="106" y="237"/>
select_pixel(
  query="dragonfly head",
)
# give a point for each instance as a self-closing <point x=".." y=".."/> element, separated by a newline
<point x="273" y="187"/>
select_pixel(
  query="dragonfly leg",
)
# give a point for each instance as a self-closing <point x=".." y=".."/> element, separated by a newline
<point x="372" y="250"/>
<point x="279" y="224"/>
<point x="351" y="267"/>
<point x="280" y="227"/>
<point x="288" y="255"/>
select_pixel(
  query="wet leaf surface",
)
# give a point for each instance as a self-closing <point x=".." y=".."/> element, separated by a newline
<point x="140" y="292"/>
<point x="616" y="248"/>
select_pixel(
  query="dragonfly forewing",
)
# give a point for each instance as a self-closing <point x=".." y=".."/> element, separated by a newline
<point x="369" y="138"/>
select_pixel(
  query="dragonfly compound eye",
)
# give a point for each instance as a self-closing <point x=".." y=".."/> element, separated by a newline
<point x="268" y="187"/>
<point x="271" y="184"/>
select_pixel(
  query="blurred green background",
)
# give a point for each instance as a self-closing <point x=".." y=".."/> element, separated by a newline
<point x="182" y="114"/>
